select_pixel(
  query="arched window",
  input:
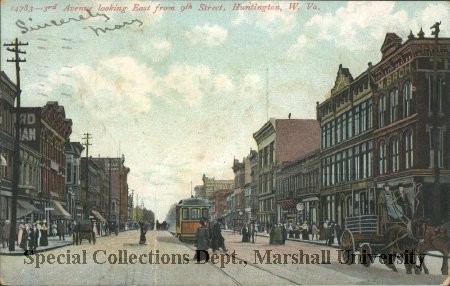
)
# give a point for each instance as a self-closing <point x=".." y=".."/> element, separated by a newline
<point x="382" y="158"/>
<point x="393" y="99"/>
<point x="394" y="154"/>
<point x="409" y="155"/>
<point x="407" y="98"/>
<point x="381" y="111"/>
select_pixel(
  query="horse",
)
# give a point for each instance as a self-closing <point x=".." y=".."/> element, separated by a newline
<point x="434" y="239"/>
<point x="403" y="239"/>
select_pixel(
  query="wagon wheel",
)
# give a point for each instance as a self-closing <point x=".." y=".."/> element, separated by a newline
<point x="348" y="245"/>
<point x="365" y="249"/>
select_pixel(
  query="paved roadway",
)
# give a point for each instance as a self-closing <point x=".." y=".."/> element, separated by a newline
<point x="175" y="266"/>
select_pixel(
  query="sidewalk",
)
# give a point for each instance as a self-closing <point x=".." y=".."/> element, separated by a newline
<point x="321" y="242"/>
<point x="53" y="243"/>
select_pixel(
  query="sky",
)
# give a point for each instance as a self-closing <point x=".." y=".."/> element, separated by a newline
<point x="180" y="93"/>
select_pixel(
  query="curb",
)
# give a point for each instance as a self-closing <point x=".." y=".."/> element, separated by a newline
<point x="16" y="253"/>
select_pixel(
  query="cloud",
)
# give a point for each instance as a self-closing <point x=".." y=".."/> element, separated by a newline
<point x="272" y="22"/>
<point x="192" y="83"/>
<point x="208" y="35"/>
<point x="361" y="23"/>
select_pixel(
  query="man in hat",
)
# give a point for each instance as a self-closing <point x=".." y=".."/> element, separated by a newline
<point x="202" y="241"/>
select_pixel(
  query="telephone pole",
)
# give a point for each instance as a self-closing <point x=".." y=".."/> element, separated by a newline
<point x="14" y="47"/>
<point x="86" y="143"/>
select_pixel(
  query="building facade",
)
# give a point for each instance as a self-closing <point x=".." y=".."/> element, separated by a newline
<point x="73" y="181"/>
<point x="298" y="189"/>
<point x="346" y="122"/>
<point x="7" y="98"/>
<point x="411" y="120"/>
<point x="279" y="141"/>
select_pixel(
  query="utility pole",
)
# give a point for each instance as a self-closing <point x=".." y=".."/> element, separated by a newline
<point x="14" y="47"/>
<point x="87" y="137"/>
<point x="109" y="197"/>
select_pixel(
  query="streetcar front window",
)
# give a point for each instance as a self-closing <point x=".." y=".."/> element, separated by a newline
<point x="195" y="213"/>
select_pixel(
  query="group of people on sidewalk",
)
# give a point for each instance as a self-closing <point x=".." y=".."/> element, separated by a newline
<point x="30" y="236"/>
<point x="326" y="232"/>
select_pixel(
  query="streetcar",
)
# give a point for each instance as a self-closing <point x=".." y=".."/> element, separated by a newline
<point x="188" y="214"/>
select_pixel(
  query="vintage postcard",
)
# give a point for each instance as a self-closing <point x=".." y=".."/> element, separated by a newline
<point x="228" y="142"/>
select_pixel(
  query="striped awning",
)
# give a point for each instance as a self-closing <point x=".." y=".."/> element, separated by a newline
<point x="98" y="216"/>
<point x="59" y="212"/>
<point x="24" y="208"/>
<point x="287" y="204"/>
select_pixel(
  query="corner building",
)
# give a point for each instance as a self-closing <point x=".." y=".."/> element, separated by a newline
<point x="411" y="101"/>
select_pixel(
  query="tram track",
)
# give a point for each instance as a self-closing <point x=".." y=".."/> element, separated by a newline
<point x="243" y="261"/>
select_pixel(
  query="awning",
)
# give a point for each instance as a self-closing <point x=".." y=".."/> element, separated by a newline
<point x="59" y="212"/>
<point x="311" y="199"/>
<point x="3" y="161"/>
<point x="24" y="208"/>
<point x="98" y="216"/>
<point x="287" y="204"/>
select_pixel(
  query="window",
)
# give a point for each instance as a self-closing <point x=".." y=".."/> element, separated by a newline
<point x="350" y="165"/>
<point x="430" y="93"/>
<point x="323" y="132"/>
<point x="369" y="114"/>
<point x="395" y="155"/>
<point x="357" y="163"/>
<point x="195" y="213"/>
<point x="344" y="126"/>
<point x="185" y="213"/>
<point x="382" y="158"/>
<point x="205" y="213"/>
<point x="408" y="150"/>
<point x="350" y="124"/>
<point x="394" y="105"/>
<point x="357" y="120"/>
<point x="381" y="111"/>
<point x="439" y="93"/>
<point x="407" y="97"/>
<point x="363" y="116"/>
<point x="369" y="159"/>
<point x="333" y="134"/>
<point x="338" y="130"/>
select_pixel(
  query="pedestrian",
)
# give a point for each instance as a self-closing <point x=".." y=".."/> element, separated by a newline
<point x="315" y="232"/>
<point x="23" y="235"/>
<point x="245" y="234"/>
<point x="60" y="229"/>
<point x="54" y="229"/>
<point x="252" y="231"/>
<point x="305" y="235"/>
<point x="324" y="232"/>
<point x="217" y="240"/>
<point x="202" y="241"/>
<point x="20" y="232"/>
<point x="330" y="234"/>
<point x="272" y="235"/>
<point x="283" y="233"/>
<point x="5" y="234"/>
<point x="338" y="230"/>
<point x="43" y="241"/>
<point x="33" y="237"/>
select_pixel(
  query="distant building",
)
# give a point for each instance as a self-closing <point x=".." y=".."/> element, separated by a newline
<point x="279" y="141"/>
<point x="73" y="152"/>
<point x="46" y="130"/>
<point x="211" y="185"/>
<point x="199" y="191"/>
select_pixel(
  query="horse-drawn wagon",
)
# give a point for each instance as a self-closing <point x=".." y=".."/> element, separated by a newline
<point x="389" y="224"/>
<point x="83" y="230"/>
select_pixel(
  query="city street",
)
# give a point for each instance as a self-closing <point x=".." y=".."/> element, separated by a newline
<point x="120" y="260"/>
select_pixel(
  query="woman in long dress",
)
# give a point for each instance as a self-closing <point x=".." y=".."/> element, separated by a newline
<point x="20" y="232"/>
<point x="43" y="241"/>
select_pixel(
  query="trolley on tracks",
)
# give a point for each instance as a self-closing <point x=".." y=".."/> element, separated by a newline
<point x="188" y="214"/>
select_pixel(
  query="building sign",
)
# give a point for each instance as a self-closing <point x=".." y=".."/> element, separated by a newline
<point x="399" y="73"/>
<point x="28" y="131"/>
